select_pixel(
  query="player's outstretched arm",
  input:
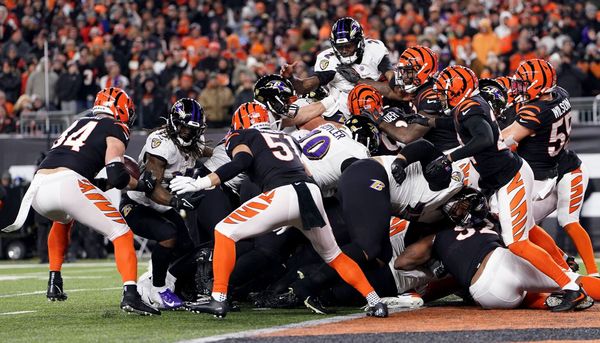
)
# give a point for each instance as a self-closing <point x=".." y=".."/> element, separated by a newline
<point x="415" y="254"/>
<point x="514" y="133"/>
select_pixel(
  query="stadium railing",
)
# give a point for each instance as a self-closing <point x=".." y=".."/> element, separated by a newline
<point x="586" y="110"/>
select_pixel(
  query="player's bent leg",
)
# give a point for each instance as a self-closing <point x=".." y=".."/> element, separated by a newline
<point x="265" y="212"/>
<point x="541" y="238"/>
<point x="89" y="206"/>
<point x="571" y="190"/>
<point x="58" y="241"/>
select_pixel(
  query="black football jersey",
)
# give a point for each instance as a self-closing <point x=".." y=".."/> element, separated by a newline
<point x="82" y="147"/>
<point x="567" y="162"/>
<point x="495" y="164"/>
<point x="462" y="250"/>
<point x="428" y="103"/>
<point x="276" y="157"/>
<point x="551" y="122"/>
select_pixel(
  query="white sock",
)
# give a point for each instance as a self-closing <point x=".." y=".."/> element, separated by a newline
<point x="571" y="286"/>
<point x="129" y="283"/>
<point x="219" y="296"/>
<point x="373" y="299"/>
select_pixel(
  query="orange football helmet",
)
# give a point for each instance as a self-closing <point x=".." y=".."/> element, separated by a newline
<point x="415" y="66"/>
<point x="114" y="101"/>
<point x="532" y="79"/>
<point x="455" y="84"/>
<point x="250" y="115"/>
<point x="364" y="98"/>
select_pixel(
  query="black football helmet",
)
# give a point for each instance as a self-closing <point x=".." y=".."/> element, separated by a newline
<point x="364" y="131"/>
<point x="275" y="93"/>
<point x="347" y="40"/>
<point x="467" y="208"/>
<point x="187" y="122"/>
<point x="495" y="95"/>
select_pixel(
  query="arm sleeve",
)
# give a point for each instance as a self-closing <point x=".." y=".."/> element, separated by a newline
<point x="444" y="123"/>
<point x="240" y="162"/>
<point x="421" y="150"/>
<point x="482" y="137"/>
<point x="325" y="76"/>
<point x="116" y="175"/>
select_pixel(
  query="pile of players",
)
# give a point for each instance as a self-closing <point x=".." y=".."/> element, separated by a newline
<point x="402" y="187"/>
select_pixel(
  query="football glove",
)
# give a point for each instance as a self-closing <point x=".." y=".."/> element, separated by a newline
<point x="398" y="171"/>
<point x="348" y="73"/>
<point x="146" y="183"/>
<point x="438" y="173"/>
<point x="185" y="184"/>
<point x="187" y="202"/>
<point x="416" y="118"/>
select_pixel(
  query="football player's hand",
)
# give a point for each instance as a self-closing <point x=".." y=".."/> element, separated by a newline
<point x="187" y="202"/>
<point x="348" y="73"/>
<point x="416" y="118"/>
<point x="398" y="171"/>
<point x="185" y="184"/>
<point x="146" y="183"/>
<point x="438" y="173"/>
<point x="287" y="70"/>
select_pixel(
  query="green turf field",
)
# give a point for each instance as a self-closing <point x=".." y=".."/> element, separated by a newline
<point x="92" y="311"/>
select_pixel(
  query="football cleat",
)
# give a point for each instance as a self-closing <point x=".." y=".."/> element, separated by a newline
<point x="314" y="304"/>
<point x="555" y="299"/>
<point x="569" y="300"/>
<point x="406" y="300"/>
<point x="55" y="288"/>
<point x="132" y="303"/>
<point x="165" y="300"/>
<point x="380" y="310"/>
<point x="217" y="308"/>
<point x="572" y="264"/>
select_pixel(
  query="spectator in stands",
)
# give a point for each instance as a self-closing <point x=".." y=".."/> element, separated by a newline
<point x="244" y="92"/>
<point x="151" y="106"/>
<point x="7" y="123"/>
<point x="7" y="25"/>
<point x="114" y="78"/>
<point x="524" y="53"/>
<point x="36" y="83"/>
<point x="16" y="41"/>
<point x="186" y="88"/>
<point x="70" y="83"/>
<point x="485" y="41"/>
<point x="10" y="82"/>
<point x="89" y="88"/>
<point x="569" y="76"/>
<point x="217" y="100"/>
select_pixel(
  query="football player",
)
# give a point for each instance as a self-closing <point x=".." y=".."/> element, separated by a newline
<point x="502" y="172"/>
<point x="289" y="197"/>
<point x="169" y="151"/>
<point x="540" y="132"/>
<point x="350" y="58"/>
<point x="61" y="190"/>
<point x="474" y="254"/>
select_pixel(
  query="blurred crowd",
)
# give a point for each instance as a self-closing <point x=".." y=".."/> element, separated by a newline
<point x="215" y="50"/>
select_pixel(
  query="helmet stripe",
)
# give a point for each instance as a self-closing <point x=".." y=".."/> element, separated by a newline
<point x="544" y="77"/>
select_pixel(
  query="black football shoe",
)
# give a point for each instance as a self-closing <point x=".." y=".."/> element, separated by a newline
<point x="314" y="304"/>
<point x="570" y="301"/>
<point x="555" y="299"/>
<point x="132" y="303"/>
<point x="380" y="310"/>
<point x="217" y="308"/>
<point x="55" y="288"/>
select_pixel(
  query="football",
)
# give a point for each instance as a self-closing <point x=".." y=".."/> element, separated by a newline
<point x="132" y="167"/>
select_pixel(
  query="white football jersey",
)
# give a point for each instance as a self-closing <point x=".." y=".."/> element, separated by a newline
<point x="159" y="144"/>
<point x="413" y="200"/>
<point x="219" y="158"/>
<point x="339" y="87"/>
<point x="324" y="149"/>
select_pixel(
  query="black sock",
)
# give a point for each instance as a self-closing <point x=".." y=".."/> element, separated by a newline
<point x="130" y="289"/>
<point x="161" y="257"/>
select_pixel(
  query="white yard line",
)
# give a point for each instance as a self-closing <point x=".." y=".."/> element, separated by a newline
<point x="66" y="265"/>
<point x="44" y="277"/>
<point x="17" y="312"/>
<point x="67" y="290"/>
<point x="251" y="333"/>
